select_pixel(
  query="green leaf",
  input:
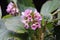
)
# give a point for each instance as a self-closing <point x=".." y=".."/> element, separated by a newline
<point x="21" y="7"/>
<point x="49" y="26"/>
<point x="4" y="33"/>
<point x="49" y="7"/>
<point x="15" y="24"/>
<point x="45" y="11"/>
<point x="26" y="3"/>
<point x="45" y="8"/>
<point x="54" y="5"/>
<point x="59" y="17"/>
<point x="7" y="16"/>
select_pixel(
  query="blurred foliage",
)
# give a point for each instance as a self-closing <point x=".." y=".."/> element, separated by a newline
<point x="15" y="24"/>
<point x="48" y="8"/>
<point x="24" y="4"/>
<point x="7" y="16"/>
<point x="28" y="3"/>
<point x="12" y="27"/>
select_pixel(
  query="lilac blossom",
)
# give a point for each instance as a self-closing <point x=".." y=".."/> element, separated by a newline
<point x="38" y="25"/>
<point x="32" y="20"/>
<point x="33" y="26"/>
<point x="26" y="12"/>
<point x="26" y="26"/>
<point x="11" y="9"/>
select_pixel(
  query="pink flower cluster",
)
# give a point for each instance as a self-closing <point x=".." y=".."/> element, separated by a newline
<point x="11" y="8"/>
<point x="31" y="19"/>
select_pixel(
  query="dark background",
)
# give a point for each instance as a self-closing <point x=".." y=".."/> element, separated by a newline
<point x="38" y="4"/>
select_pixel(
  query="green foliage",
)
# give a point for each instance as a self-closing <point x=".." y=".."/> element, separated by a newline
<point x="12" y="27"/>
<point x="48" y="8"/>
<point x="7" y="16"/>
<point x="49" y="26"/>
<point x="15" y="24"/>
<point x="4" y="33"/>
<point x="24" y="4"/>
<point x="9" y="28"/>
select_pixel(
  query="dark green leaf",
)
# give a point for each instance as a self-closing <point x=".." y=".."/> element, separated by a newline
<point x="26" y="3"/>
<point x="50" y="26"/>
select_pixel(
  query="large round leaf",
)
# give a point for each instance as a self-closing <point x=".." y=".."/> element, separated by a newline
<point x="15" y="24"/>
<point x="4" y="33"/>
<point x="45" y="11"/>
<point x="7" y="35"/>
<point x="49" y="7"/>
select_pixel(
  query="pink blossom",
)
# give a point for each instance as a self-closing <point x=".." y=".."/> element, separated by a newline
<point x="26" y="26"/>
<point x="27" y="12"/>
<point x="38" y="25"/>
<point x="34" y="27"/>
<point x="12" y="9"/>
<point x="37" y="17"/>
<point x="31" y="19"/>
<point x="9" y="7"/>
<point x="8" y="10"/>
<point x="25" y="21"/>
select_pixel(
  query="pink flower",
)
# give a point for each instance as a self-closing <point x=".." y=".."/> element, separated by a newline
<point x="27" y="12"/>
<point x="12" y="9"/>
<point x="9" y="7"/>
<point x="26" y="26"/>
<point x="31" y="19"/>
<point x="37" y="15"/>
<point x="8" y="10"/>
<point x="38" y="25"/>
<point x="34" y="27"/>
<point x="23" y="21"/>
